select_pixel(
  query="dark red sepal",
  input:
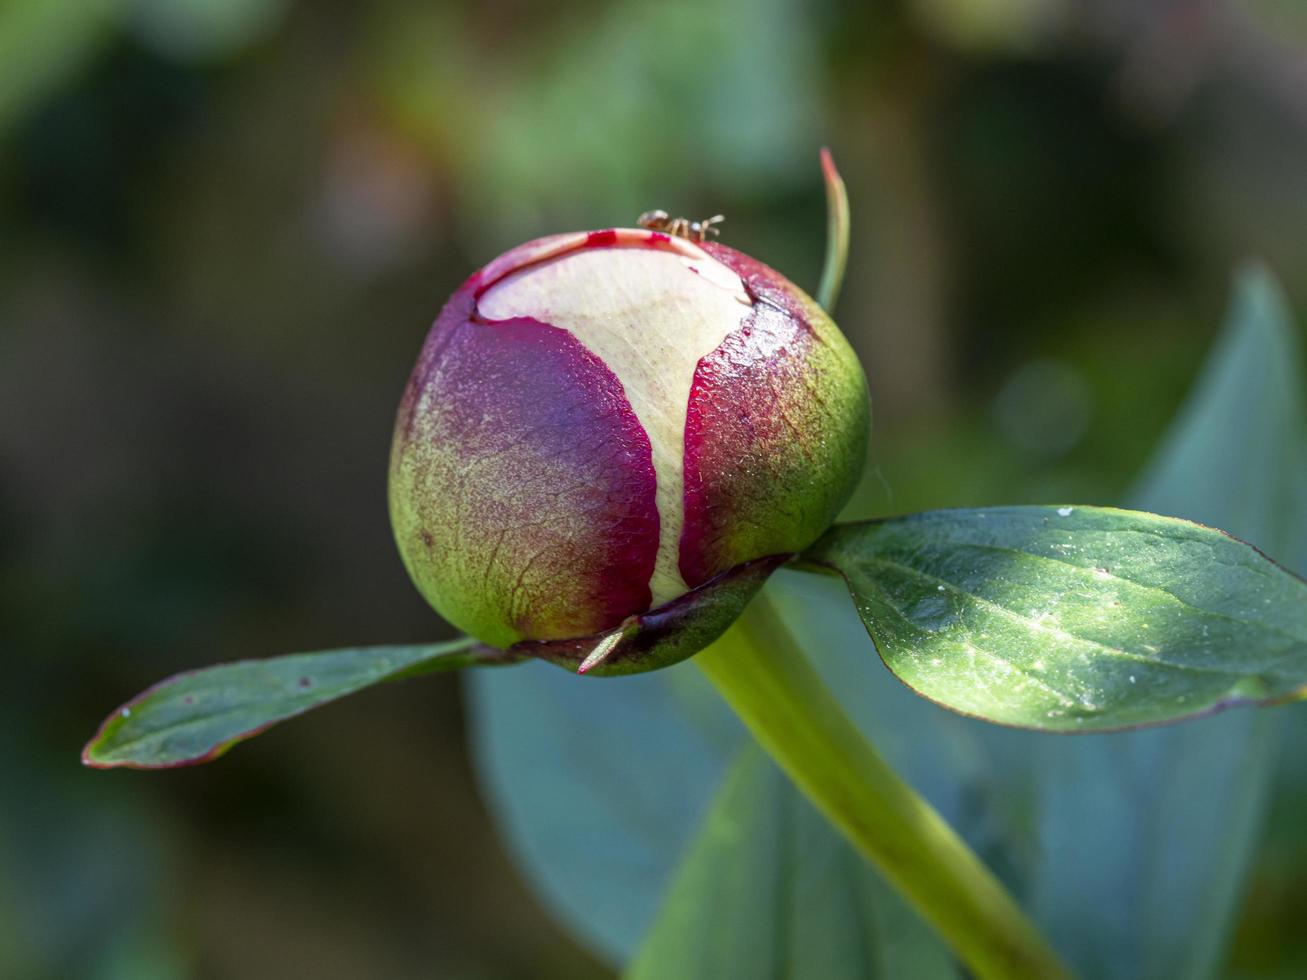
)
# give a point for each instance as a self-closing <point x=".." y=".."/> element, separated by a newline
<point x="664" y="636"/>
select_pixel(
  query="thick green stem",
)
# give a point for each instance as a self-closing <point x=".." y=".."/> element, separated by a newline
<point x="764" y="676"/>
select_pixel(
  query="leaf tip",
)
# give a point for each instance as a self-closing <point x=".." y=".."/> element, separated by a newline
<point x="828" y="169"/>
<point x="91" y="757"/>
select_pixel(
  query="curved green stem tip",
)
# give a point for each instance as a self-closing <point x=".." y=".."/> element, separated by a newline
<point x="837" y="233"/>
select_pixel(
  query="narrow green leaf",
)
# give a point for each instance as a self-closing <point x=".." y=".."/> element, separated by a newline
<point x="1236" y="456"/>
<point x="1144" y="839"/>
<point x="767" y="890"/>
<point x="198" y="715"/>
<point x="1074" y="619"/>
<point x="837" y="234"/>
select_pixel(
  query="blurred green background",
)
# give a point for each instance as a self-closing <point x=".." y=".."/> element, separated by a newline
<point x="225" y="226"/>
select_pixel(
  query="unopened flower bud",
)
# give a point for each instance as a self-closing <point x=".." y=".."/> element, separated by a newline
<point x="601" y="422"/>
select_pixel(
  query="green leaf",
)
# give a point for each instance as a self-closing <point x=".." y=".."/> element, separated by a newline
<point x="88" y="876"/>
<point x="197" y="716"/>
<point x="1236" y="456"/>
<point x="768" y="890"/>
<point x="1121" y="817"/>
<point x="1145" y="838"/>
<point x="1074" y="619"/>
<point x="597" y="786"/>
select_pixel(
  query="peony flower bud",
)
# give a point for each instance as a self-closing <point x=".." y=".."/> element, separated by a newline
<point x="602" y="422"/>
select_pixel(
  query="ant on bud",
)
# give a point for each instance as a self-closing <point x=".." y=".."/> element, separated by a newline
<point x="695" y="231"/>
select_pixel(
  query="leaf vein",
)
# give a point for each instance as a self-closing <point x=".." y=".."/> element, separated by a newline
<point x="1032" y="626"/>
<point x="1065" y="699"/>
<point x="1001" y="549"/>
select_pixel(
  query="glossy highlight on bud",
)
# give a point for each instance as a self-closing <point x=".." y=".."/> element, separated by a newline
<point x="601" y="422"/>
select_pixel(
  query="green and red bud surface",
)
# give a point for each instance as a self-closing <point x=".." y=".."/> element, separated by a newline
<point x="600" y="423"/>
